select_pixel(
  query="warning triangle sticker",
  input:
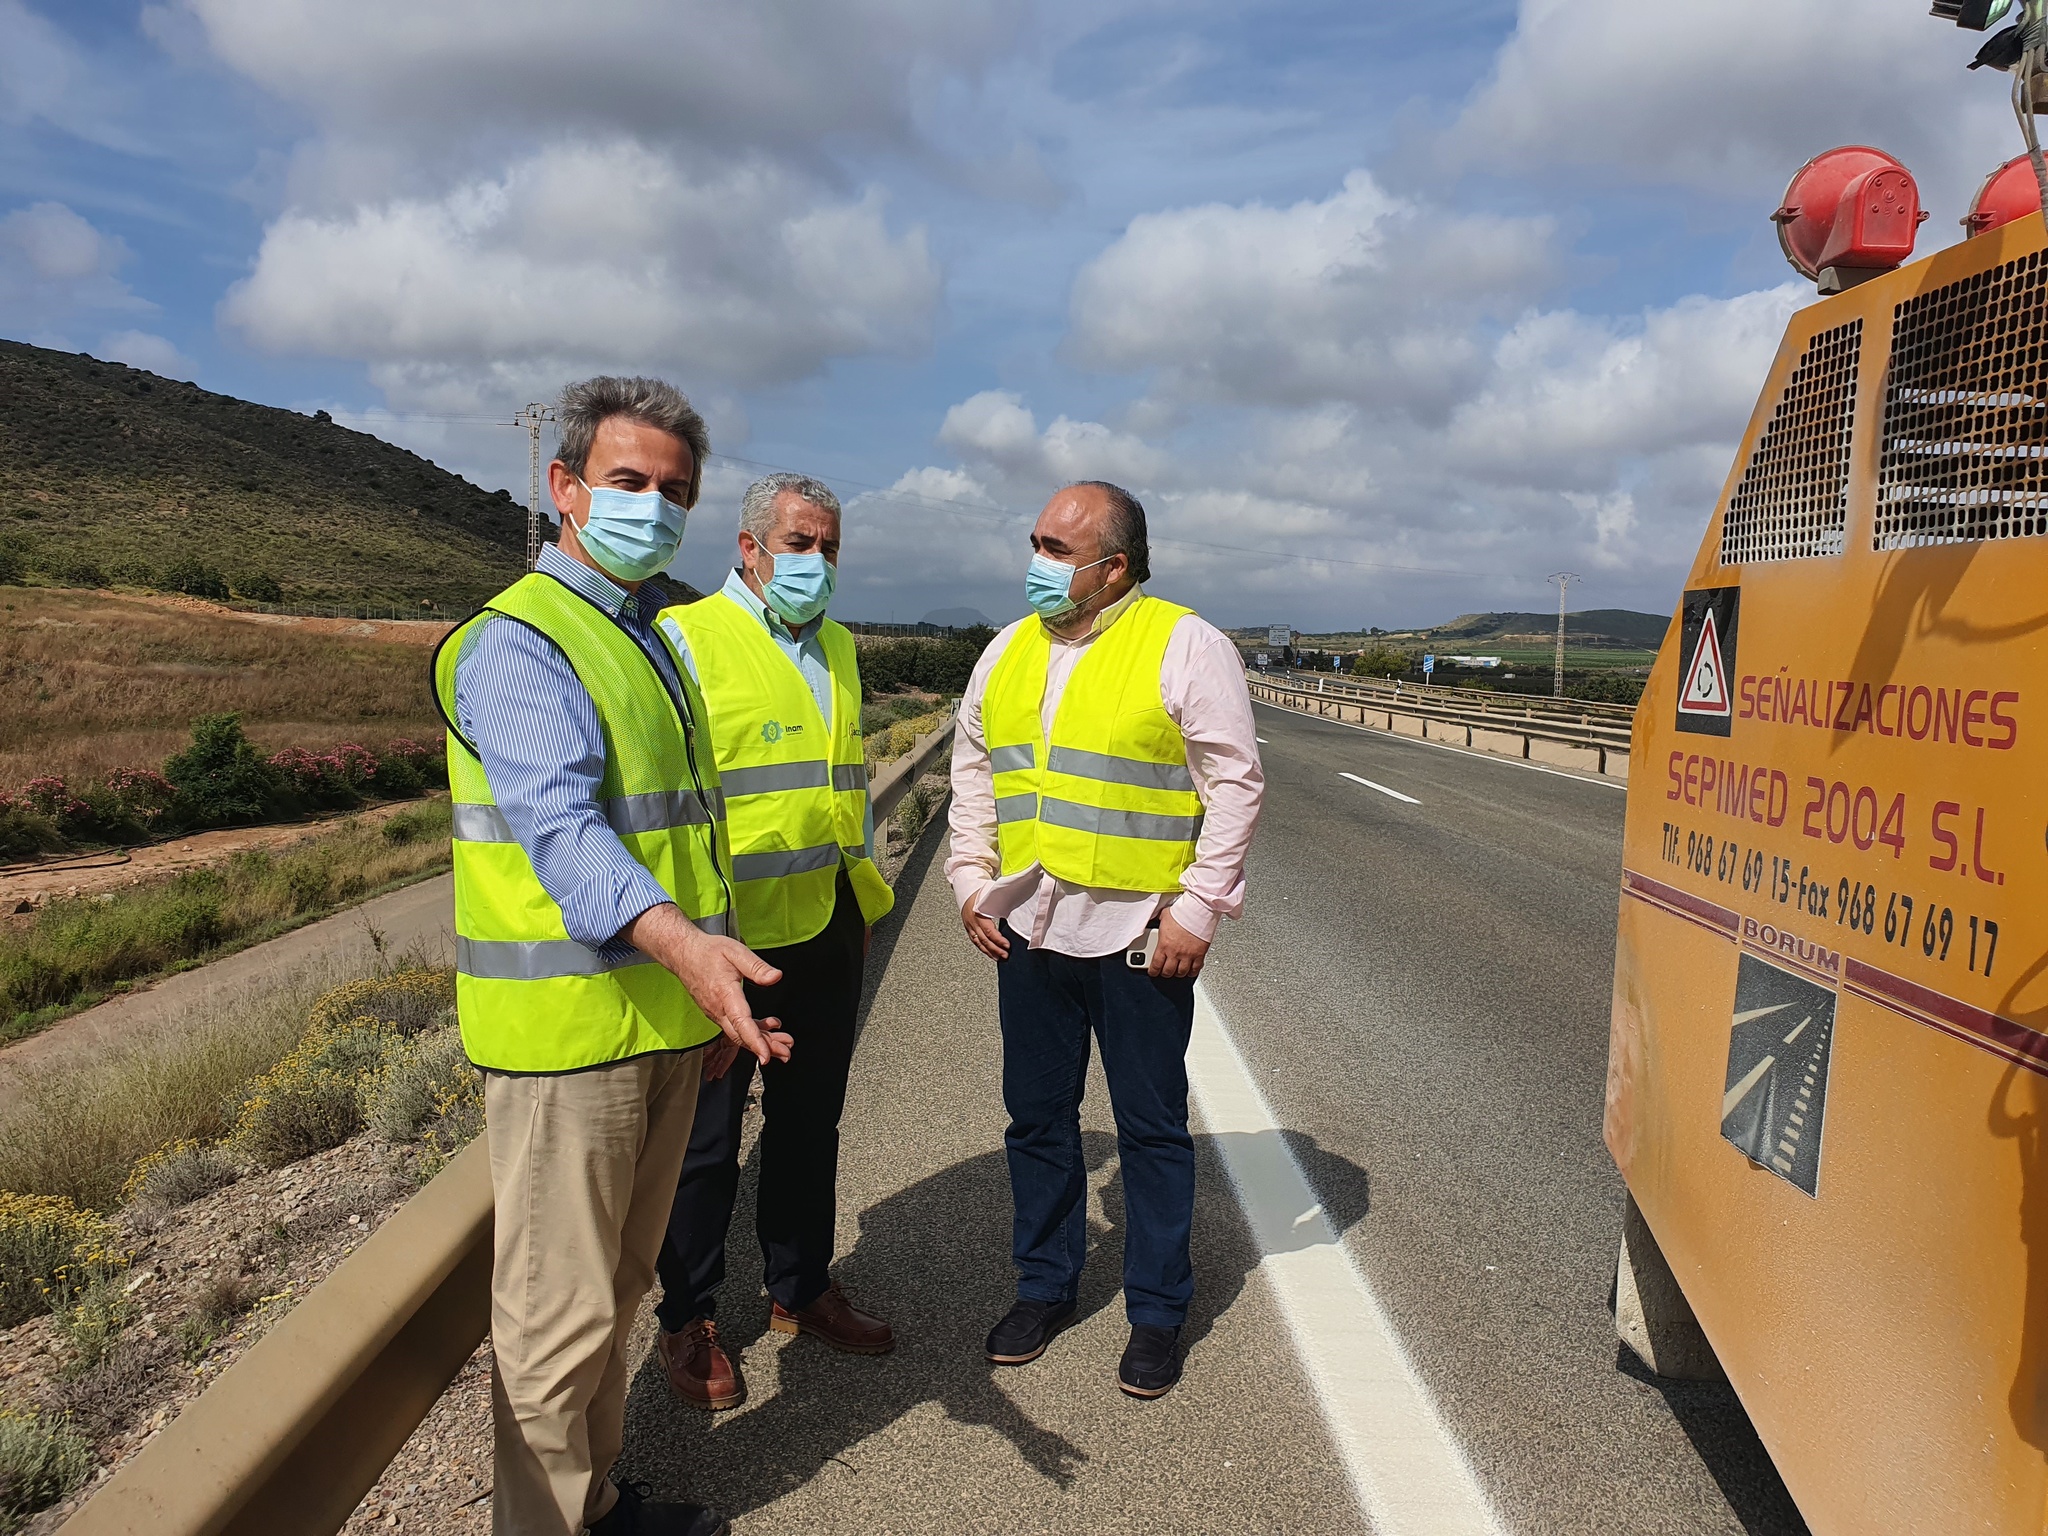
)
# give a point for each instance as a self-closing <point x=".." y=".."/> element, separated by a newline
<point x="1706" y="687"/>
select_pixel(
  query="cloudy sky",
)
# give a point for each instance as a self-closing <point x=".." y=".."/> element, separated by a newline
<point x="1385" y="310"/>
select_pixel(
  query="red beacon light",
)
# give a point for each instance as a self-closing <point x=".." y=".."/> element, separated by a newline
<point x="1849" y="215"/>
<point x="2010" y="192"/>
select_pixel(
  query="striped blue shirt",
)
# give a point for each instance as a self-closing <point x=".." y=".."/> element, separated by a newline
<point x="804" y="647"/>
<point x="536" y="729"/>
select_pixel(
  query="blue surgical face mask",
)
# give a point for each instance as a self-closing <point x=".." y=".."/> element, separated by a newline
<point x="801" y="587"/>
<point x="631" y="534"/>
<point x="1048" y="584"/>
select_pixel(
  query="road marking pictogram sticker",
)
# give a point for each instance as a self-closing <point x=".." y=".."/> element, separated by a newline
<point x="1780" y="1045"/>
<point x="1706" y="686"/>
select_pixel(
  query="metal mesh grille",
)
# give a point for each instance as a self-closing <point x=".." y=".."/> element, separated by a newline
<point x="1793" y="499"/>
<point x="1966" y="412"/>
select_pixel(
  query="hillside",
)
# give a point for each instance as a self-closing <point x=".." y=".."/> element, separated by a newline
<point x="119" y="475"/>
<point x="1620" y="627"/>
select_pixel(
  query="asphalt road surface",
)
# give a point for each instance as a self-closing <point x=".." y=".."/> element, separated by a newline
<point x="1420" y="991"/>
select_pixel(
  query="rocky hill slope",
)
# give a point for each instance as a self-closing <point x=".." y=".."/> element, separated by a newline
<point x="119" y="475"/>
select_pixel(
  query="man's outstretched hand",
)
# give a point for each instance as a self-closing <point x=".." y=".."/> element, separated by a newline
<point x="713" y="970"/>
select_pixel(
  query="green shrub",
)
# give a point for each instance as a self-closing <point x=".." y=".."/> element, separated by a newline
<point x="407" y="1000"/>
<point x="258" y="587"/>
<point x="13" y="565"/>
<point x="311" y="1100"/>
<point x="413" y="826"/>
<point x="423" y="1079"/>
<point x="51" y="1253"/>
<point x="92" y="1324"/>
<point x="178" y="1174"/>
<point x="24" y="833"/>
<point x="934" y="665"/>
<point x="196" y="579"/>
<point x="39" y="1465"/>
<point x="396" y="778"/>
<point x="219" y="778"/>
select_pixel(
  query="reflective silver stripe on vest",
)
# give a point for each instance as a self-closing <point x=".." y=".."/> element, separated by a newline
<point x="850" y="776"/>
<point x="816" y="774"/>
<point x="534" y="960"/>
<point x="1107" y="769"/>
<point x="1011" y="759"/>
<point x="549" y="959"/>
<point x="479" y="824"/>
<point x="784" y="861"/>
<point x="657" y="811"/>
<point x="1016" y="808"/>
<point x="1108" y="823"/>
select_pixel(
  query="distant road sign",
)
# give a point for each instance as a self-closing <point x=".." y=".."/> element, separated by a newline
<point x="1280" y="636"/>
<point x="1262" y="659"/>
<point x="1428" y="665"/>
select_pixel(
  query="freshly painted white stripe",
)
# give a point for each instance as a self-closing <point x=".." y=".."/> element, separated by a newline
<point x="1260" y="740"/>
<point x="1408" y="1472"/>
<point x="1444" y="746"/>
<point x="1392" y="793"/>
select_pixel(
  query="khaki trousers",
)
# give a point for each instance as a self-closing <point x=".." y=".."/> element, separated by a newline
<point x="583" y="1171"/>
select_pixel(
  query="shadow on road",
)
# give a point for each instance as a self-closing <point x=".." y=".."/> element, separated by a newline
<point x="934" y="1258"/>
<point x="1718" y="1426"/>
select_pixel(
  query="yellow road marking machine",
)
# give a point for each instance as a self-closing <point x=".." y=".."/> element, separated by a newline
<point x="1828" y="1075"/>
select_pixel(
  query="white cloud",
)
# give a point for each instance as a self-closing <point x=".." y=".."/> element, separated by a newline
<point x="141" y="349"/>
<point x="611" y="255"/>
<point x="1569" y="396"/>
<point x="995" y="429"/>
<point x="1731" y="97"/>
<point x="54" y="264"/>
<point x="1361" y="296"/>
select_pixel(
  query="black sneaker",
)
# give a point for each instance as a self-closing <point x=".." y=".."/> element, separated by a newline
<point x="637" y="1515"/>
<point x="1151" y="1363"/>
<point x="1026" y="1329"/>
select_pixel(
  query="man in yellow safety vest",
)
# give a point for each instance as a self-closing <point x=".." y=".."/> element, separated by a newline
<point x="593" y="956"/>
<point x="783" y="688"/>
<point x="1106" y="784"/>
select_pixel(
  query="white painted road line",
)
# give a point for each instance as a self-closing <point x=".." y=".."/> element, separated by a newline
<point x="1392" y="793"/>
<point x="1261" y="740"/>
<point x="1444" y="746"/>
<point x="1407" y="1471"/>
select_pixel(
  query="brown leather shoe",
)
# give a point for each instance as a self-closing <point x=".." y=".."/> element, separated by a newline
<point x="838" y="1322"/>
<point x="699" y="1369"/>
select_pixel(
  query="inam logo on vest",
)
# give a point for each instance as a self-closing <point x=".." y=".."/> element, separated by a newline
<point x="1707" y="649"/>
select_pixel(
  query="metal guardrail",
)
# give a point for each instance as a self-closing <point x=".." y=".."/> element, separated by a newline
<point x="294" y="1433"/>
<point x="1513" y="705"/>
<point x="1590" y="747"/>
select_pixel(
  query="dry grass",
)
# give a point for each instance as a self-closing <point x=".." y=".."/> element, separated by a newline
<point x="78" y="1126"/>
<point x="97" y="680"/>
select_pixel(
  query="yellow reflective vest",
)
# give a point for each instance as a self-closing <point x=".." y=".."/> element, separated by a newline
<point x="796" y="783"/>
<point x="1106" y="801"/>
<point x="532" y="999"/>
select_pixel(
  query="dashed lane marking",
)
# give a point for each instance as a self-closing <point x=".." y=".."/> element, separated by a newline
<point x="1406" y="1469"/>
<point x="1393" y="794"/>
<point x="1444" y="746"/>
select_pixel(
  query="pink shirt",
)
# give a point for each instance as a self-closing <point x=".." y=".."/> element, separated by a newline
<point x="1201" y="681"/>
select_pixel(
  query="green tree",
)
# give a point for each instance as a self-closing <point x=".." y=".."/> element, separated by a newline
<point x="219" y="778"/>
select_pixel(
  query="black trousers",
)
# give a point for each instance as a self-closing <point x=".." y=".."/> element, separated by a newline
<point x="798" y="1154"/>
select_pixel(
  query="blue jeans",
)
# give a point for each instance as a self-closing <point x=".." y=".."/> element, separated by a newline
<point x="1050" y="1005"/>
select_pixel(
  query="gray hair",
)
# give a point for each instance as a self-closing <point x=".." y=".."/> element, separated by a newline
<point x="652" y="402"/>
<point x="757" y="507"/>
<point x="1123" y="531"/>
